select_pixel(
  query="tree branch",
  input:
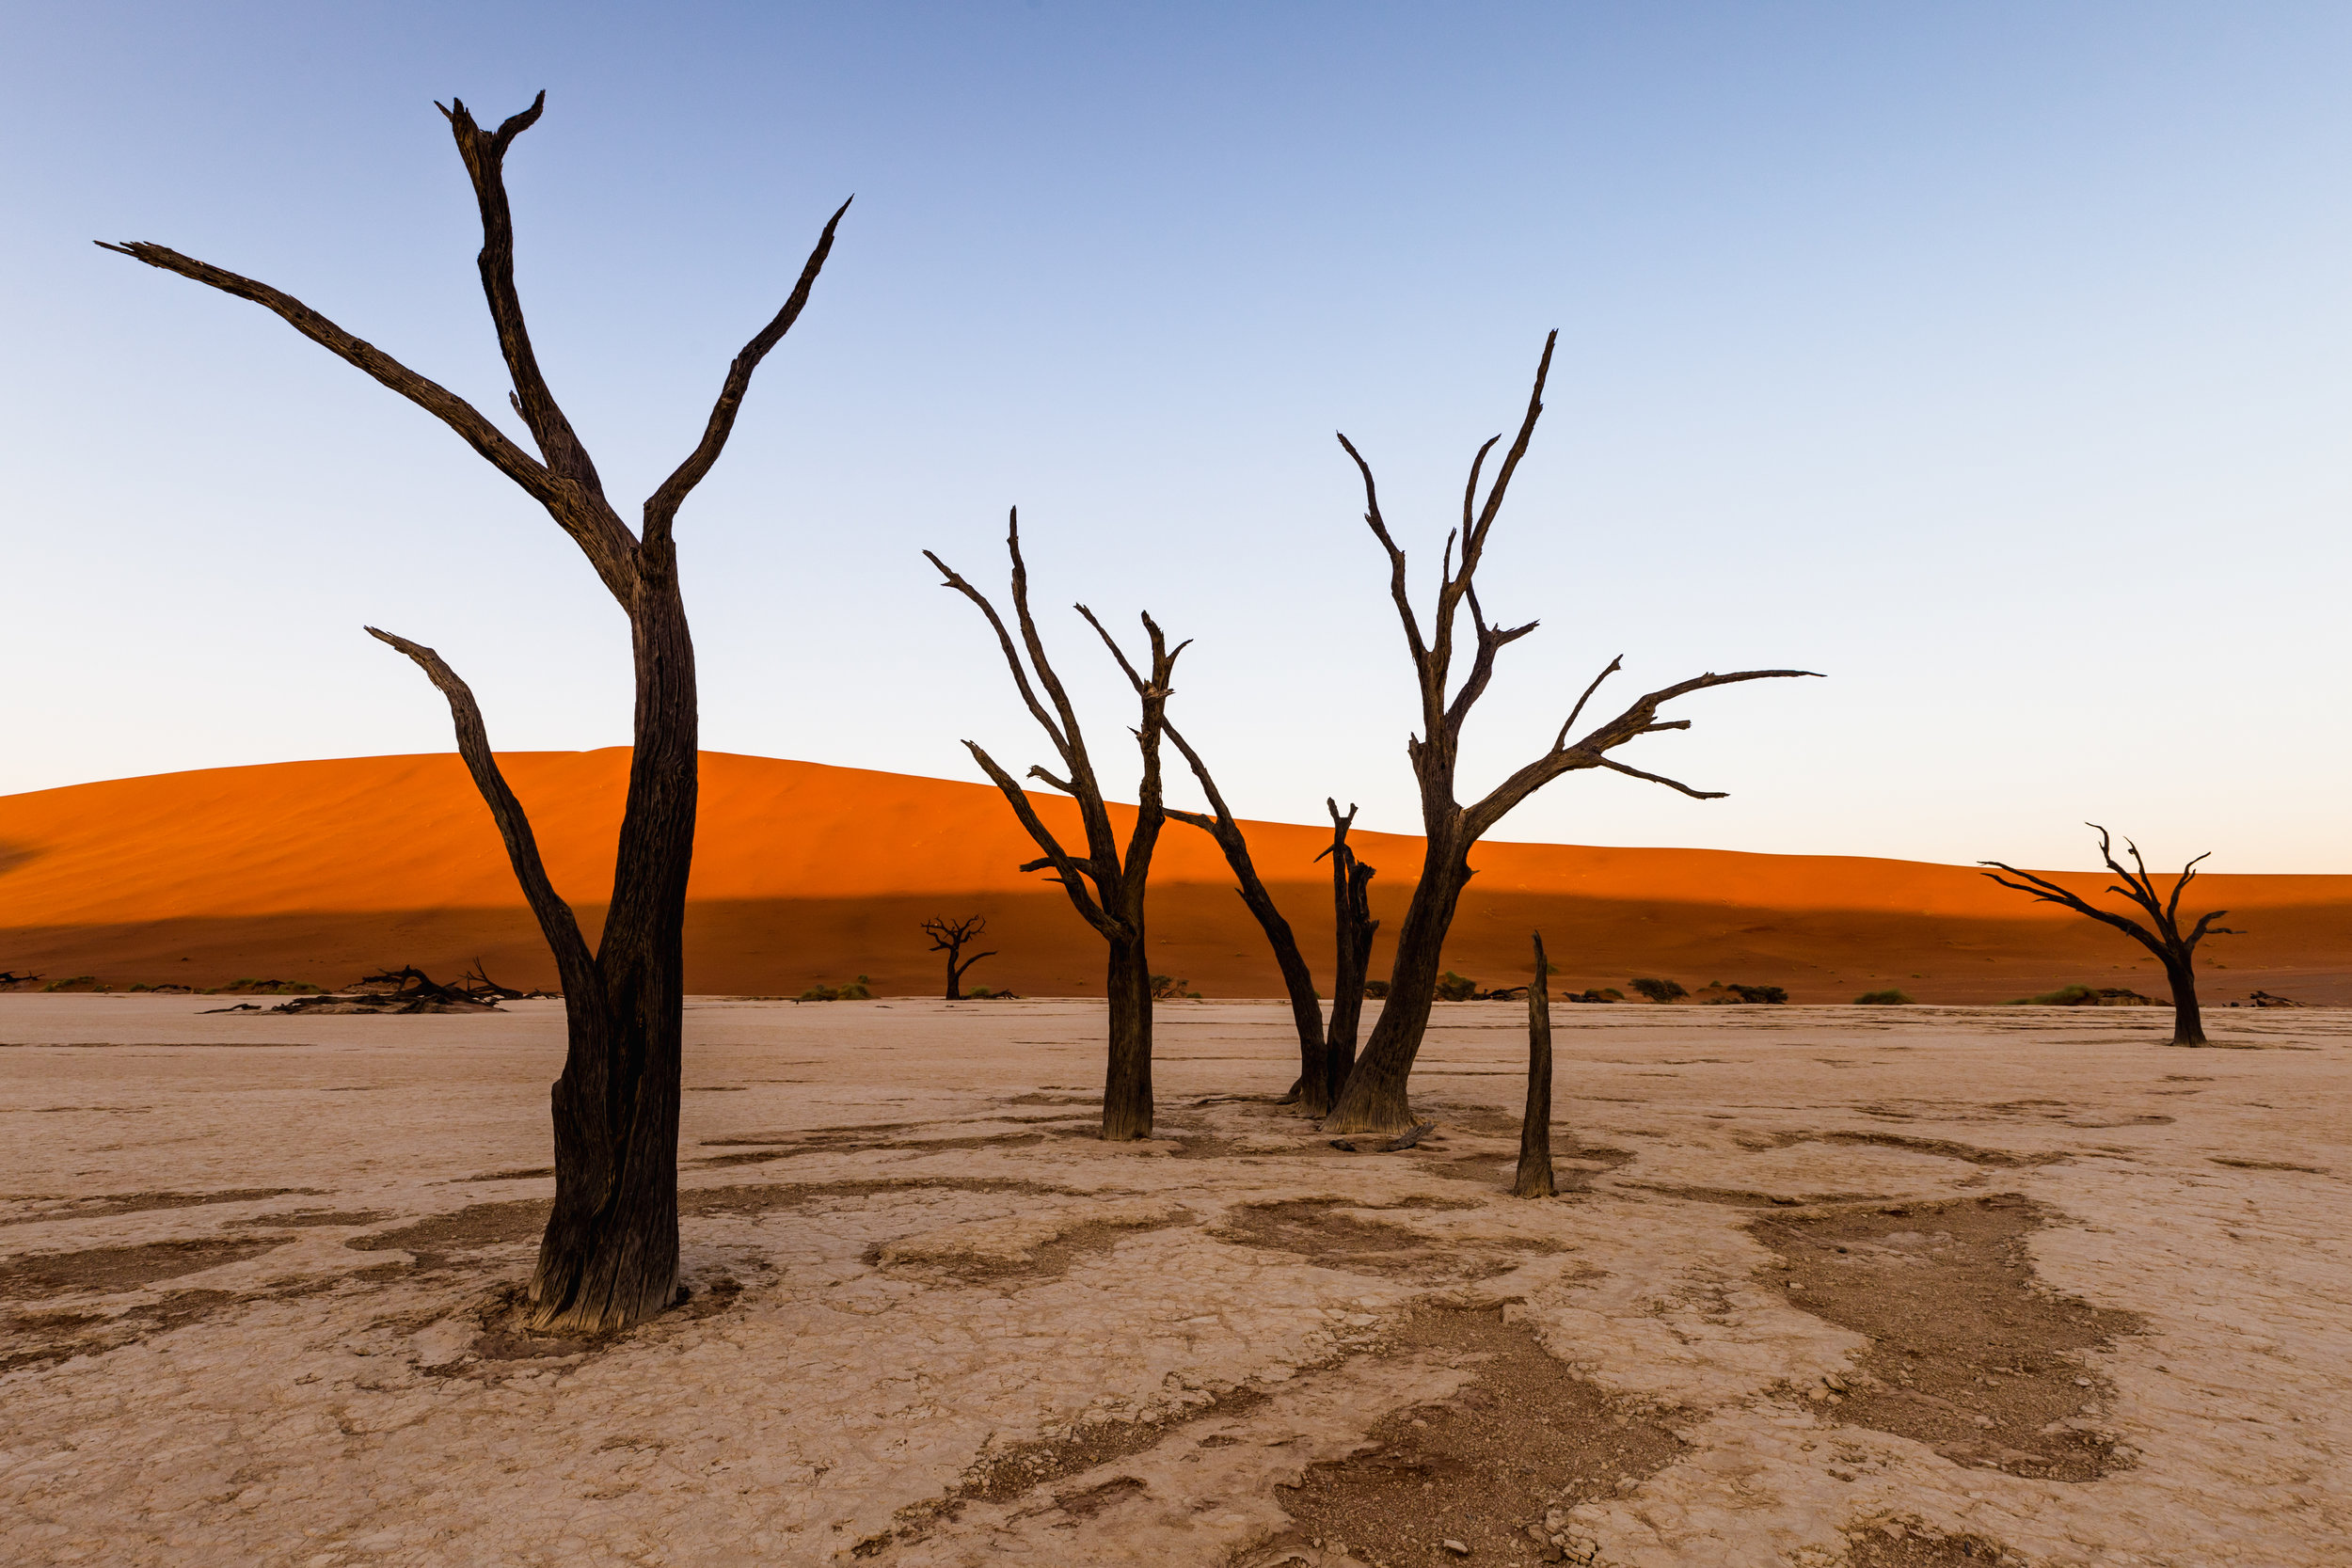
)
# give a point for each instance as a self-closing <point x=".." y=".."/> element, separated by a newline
<point x="572" y="961"/>
<point x="1070" y="869"/>
<point x="661" y="507"/>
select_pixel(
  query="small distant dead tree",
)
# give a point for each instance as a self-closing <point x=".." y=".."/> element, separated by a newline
<point x="1353" y="927"/>
<point x="608" y="1257"/>
<point x="1534" y="1173"/>
<point x="1374" y="1099"/>
<point x="1306" y="1007"/>
<point x="1105" y="887"/>
<point x="948" y="936"/>
<point x="2177" y="953"/>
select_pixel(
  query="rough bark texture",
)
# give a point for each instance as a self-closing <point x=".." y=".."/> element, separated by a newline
<point x="1534" y="1173"/>
<point x="1299" y="983"/>
<point x="2177" y="953"/>
<point x="1352" y="927"/>
<point x="1105" y="887"/>
<point x="948" y="936"/>
<point x="1374" y="1098"/>
<point x="609" y="1256"/>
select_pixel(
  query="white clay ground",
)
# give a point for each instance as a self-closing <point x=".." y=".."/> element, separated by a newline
<point x="909" y="1266"/>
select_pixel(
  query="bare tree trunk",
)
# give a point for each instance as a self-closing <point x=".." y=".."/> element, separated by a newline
<point x="2189" y="1020"/>
<point x="1534" y="1173"/>
<point x="1127" y="1070"/>
<point x="1352" y="925"/>
<point x="609" y="1256"/>
<point x="1374" y="1098"/>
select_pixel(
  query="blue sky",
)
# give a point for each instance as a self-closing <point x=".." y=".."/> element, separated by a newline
<point x="1991" y="358"/>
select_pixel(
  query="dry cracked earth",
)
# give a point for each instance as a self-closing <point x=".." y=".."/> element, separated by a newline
<point x="1917" y="1287"/>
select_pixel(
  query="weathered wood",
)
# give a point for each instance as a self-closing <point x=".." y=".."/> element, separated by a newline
<point x="608" y="1257"/>
<point x="1374" y="1098"/>
<point x="2177" y="953"/>
<point x="1533" y="1178"/>
<point x="1353" y="927"/>
<point x="1105" y="886"/>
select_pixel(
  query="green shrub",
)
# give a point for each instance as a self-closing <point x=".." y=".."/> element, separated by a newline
<point x="78" y="982"/>
<point x="1376" y="991"/>
<point x="1456" y="987"/>
<point x="856" y="991"/>
<point x="1758" y="993"/>
<point x="2065" y="996"/>
<point x="1883" y="999"/>
<point x="1599" y="993"/>
<point x="1657" y="991"/>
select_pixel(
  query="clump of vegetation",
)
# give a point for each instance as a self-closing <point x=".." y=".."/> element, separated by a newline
<point x="1718" y="994"/>
<point x="1167" y="989"/>
<point x="1376" y="991"/>
<point x="78" y="982"/>
<point x="2065" y="996"/>
<point x="1883" y="999"/>
<point x="981" y="994"/>
<point x="250" y="987"/>
<point x="859" y="990"/>
<point x="1598" y="994"/>
<point x="1657" y="991"/>
<point x="1456" y="987"/>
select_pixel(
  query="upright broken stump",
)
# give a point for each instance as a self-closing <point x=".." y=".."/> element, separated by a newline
<point x="1534" y="1174"/>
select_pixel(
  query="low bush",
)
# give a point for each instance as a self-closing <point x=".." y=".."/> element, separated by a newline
<point x="1167" y="989"/>
<point x="1657" y="991"/>
<point x="78" y="982"/>
<point x="1720" y="995"/>
<point x="2065" y="996"/>
<point x="858" y="990"/>
<point x="1598" y="993"/>
<point x="1376" y="991"/>
<point x="1883" y="999"/>
<point x="1456" y="987"/>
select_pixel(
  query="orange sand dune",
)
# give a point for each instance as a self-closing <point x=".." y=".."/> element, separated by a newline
<point x="804" y="873"/>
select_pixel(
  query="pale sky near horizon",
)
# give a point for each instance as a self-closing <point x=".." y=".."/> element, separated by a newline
<point x="1990" y="359"/>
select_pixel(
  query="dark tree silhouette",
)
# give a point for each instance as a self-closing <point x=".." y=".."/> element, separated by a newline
<point x="1374" y="1098"/>
<point x="608" y="1257"/>
<point x="1105" y="887"/>
<point x="2177" y="953"/>
<point x="1305" y="1008"/>
<point x="1352" y="927"/>
<point x="1534" y="1173"/>
<point x="948" y="936"/>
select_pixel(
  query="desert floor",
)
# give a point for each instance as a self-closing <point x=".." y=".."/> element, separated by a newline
<point x="1905" y="1286"/>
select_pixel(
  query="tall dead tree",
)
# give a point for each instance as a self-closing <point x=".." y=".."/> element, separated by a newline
<point x="1374" y="1098"/>
<point x="1533" y="1178"/>
<point x="1306" y="1007"/>
<point x="1352" y="929"/>
<point x="949" y="936"/>
<point x="609" y="1253"/>
<point x="2177" y="953"/>
<point x="1105" y="887"/>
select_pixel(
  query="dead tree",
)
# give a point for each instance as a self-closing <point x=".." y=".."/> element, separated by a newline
<point x="1306" y="1007"/>
<point x="2177" y="953"/>
<point x="1353" y="927"/>
<point x="1534" y="1174"/>
<point x="1374" y="1098"/>
<point x="948" y="936"/>
<point x="1105" y="887"/>
<point x="608" y="1257"/>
